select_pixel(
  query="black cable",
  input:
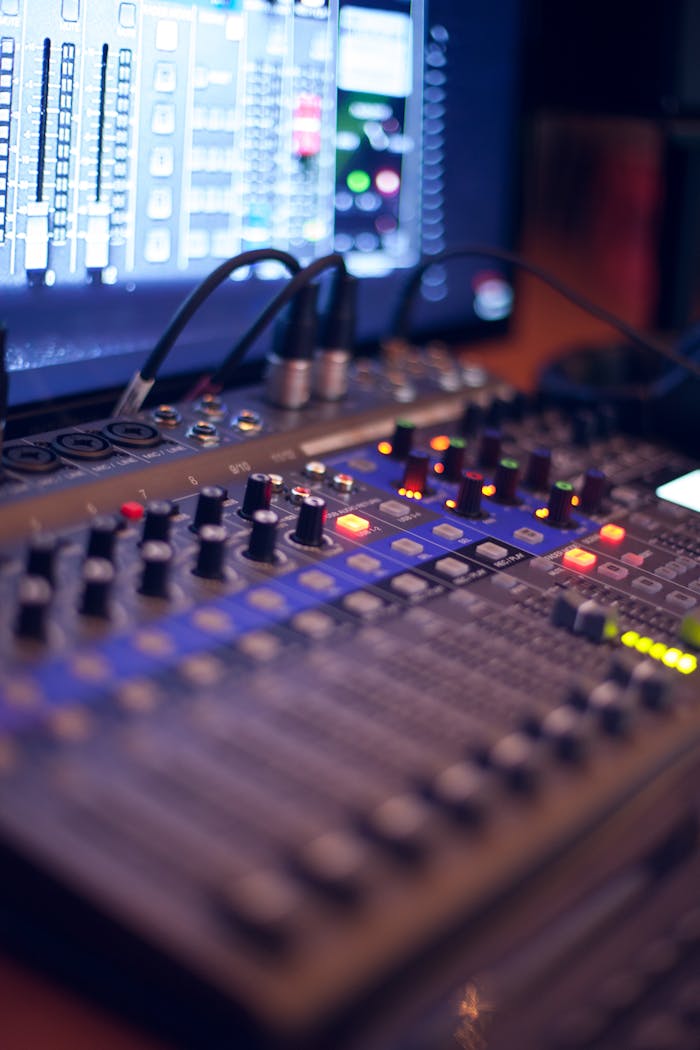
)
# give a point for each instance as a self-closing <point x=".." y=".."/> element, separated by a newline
<point x="139" y="385"/>
<point x="224" y="373"/>
<point x="401" y="325"/>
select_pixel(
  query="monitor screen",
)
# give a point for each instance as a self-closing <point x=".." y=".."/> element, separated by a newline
<point x="142" y="142"/>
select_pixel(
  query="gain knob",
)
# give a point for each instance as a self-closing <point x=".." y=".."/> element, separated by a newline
<point x="257" y="496"/>
<point x="156" y="558"/>
<point x="469" y="496"/>
<point x="212" y="551"/>
<point x="538" y="466"/>
<point x="210" y="507"/>
<point x="98" y="577"/>
<point x="34" y="601"/>
<point x="402" y="440"/>
<point x="472" y="419"/>
<point x="102" y="537"/>
<point x="263" y="536"/>
<point x="490" y="447"/>
<point x="559" y="504"/>
<point x="506" y="481"/>
<point x="415" y="474"/>
<point x="312" y="518"/>
<point x="156" y="523"/>
<point x="593" y="490"/>
<point x="41" y="558"/>
<point x="453" y="460"/>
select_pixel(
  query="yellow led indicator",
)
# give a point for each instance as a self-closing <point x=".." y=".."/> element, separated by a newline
<point x="687" y="664"/>
<point x="451" y="503"/>
<point x="658" y="651"/>
<point x="644" y="644"/>
<point x="575" y="501"/>
<point x="440" y="443"/>
<point x="630" y="639"/>
<point x="671" y="657"/>
<point x="385" y="448"/>
<point x="439" y="468"/>
<point x="612" y="533"/>
<point x="542" y="512"/>
<point x="352" y="525"/>
<point x="488" y="490"/>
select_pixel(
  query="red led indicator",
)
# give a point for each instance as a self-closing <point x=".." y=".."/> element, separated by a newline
<point x="612" y="533"/>
<point x="132" y="511"/>
<point x="579" y="559"/>
<point x="352" y="525"/>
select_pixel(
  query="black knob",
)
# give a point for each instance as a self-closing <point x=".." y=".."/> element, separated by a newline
<point x="593" y="490"/>
<point x="472" y="419"/>
<point x="402" y="440"/>
<point x="212" y="551"/>
<point x="490" y="448"/>
<point x="41" y="558"/>
<point x="415" y="474"/>
<point x="98" y="577"/>
<point x="156" y="524"/>
<point x="263" y="536"/>
<point x="506" y="481"/>
<point x="210" y="507"/>
<point x="583" y="429"/>
<point x="257" y="496"/>
<point x="156" y="559"/>
<point x="34" y="601"/>
<point x="538" y="466"/>
<point x="453" y="460"/>
<point x="559" y="504"/>
<point x="312" y="517"/>
<point x="497" y="412"/>
<point x="102" y="537"/>
<point x="469" y="496"/>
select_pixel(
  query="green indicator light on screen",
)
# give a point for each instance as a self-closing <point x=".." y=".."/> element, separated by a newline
<point x="358" y="181"/>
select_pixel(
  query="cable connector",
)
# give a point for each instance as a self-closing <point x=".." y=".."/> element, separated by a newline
<point x="289" y="364"/>
<point x="337" y="339"/>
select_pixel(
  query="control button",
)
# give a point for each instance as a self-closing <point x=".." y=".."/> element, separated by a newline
<point x="645" y="585"/>
<point x="652" y="685"/>
<point x="98" y="578"/>
<point x="34" y="601"/>
<point x="317" y="580"/>
<point x="402" y="824"/>
<point x="565" y="729"/>
<point x="612" y="571"/>
<point x="445" y="531"/>
<point x="409" y="585"/>
<point x="538" y="467"/>
<point x="127" y="15"/>
<point x="679" y="600"/>
<point x="310" y="522"/>
<point x="41" y="558"/>
<point x="211" y="553"/>
<point x="504" y="581"/>
<point x="313" y="623"/>
<point x="612" y="706"/>
<point x="566" y="608"/>
<point x="352" y="525"/>
<point x="415" y="475"/>
<point x="528" y="535"/>
<point x="364" y="563"/>
<point x="156" y="524"/>
<point x="541" y="565"/>
<point x="579" y="559"/>
<point x="559" y="504"/>
<point x="515" y="758"/>
<point x="613" y="534"/>
<point x="265" y="598"/>
<point x="335" y="863"/>
<point x="404" y="545"/>
<point x="257" y="496"/>
<point x="131" y="511"/>
<point x="595" y="621"/>
<point x="210" y="507"/>
<point x="262" y="904"/>
<point x="156" y="560"/>
<point x="166" y="34"/>
<point x="363" y="604"/>
<point x="452" y="567"/>
<point x="593" y="491"/>
<point x="102" y="537"/>
<point x="394" y="509"/>
<point x="491" y="551"/>
<point x="633" y="559"/>
<point x="263" y="536"/>
<point x="461" y="790"/>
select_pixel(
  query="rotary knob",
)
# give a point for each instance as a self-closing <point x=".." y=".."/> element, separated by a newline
<point x="415" y="475"/>
<point x="310" y="522"/>
<point x="263" y="536"/>
<point x="506" y="481"/>
<point x="469" y="495"/>
<point x="453" y="460"/>
<point x="102" y="537"/>
<point x="559" y="504"/>
<point x="490" y="447"/>
<point x="156" y="558"/>
<point x="538" y="466"/>
<point x="212" y="551"/>
<point x="41" y="558"/>
<point x="402" y="440"/>
<point x="210" y="507"/>
<point x="257" y="496"/>
<point x="593" y="490"/>
<point x="156" y="523"/>
<point x="472" y="419"/>
<point x="32" y="614"/>
<point x="98" y="577"/>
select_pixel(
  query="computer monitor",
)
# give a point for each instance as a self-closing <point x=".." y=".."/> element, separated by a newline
<point x="144" y="141"/>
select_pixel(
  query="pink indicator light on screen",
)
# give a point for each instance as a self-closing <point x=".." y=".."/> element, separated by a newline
<point x="387" y="182"/>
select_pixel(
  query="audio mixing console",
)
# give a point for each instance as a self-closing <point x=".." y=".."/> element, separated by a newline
<point x="372" y="725"/>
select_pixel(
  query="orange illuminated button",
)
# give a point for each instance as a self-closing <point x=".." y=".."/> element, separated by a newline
<point x="352" y="525"/>
<point x="612" y="533"/>
<point x="579" y="559"/>
<point x="132" y="511"/>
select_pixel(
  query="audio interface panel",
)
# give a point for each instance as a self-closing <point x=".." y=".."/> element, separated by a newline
<point x="358" y="721"/>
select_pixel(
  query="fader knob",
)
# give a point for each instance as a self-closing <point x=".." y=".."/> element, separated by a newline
<point x="312" y="517"/>
<point x="506" y="480"/>
<point x="156" y="524"/>
<point x="453" y="460"/>
<point x="469" y="496"/>
<point x="257" y="496"/>
<point x="212" y="551"/>
<point x="559" y="504"/>
<point x="34" y="600"/>
<point x="102" y="537"/>
<point x="263" y="536"/>
<point x="210" y="507"/>
<point x="415" y="475"/>
<point x="98" y="577"/>
<point x="156" y="559"/>
<point x="538" y="466"/>
<point x="490" y="447"/>
<point x="593" y="490"/>
<point x="41" y="558"/>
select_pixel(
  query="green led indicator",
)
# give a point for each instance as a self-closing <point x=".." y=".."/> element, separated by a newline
<point x="564" y="486"/>
<point x="358" y="181"/>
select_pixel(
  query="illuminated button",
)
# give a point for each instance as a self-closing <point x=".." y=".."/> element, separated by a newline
<point x="394" y="509"/>
<point x="452" y="567"/>
<point x="364" y="563"/>
<point x="316" y="580"/>
<point x="166" y="35"/>
<point x="612" y="571"/>
<point x="448" y="532"/>
<point x="612" y="533"/>
<point x="528" y="535"/>
<point x="635" y="560"/>
<point x="646" y="586"/>
<point x="491" y="551"/>
<point x="132" y="511"/>
<point x="579" y="559"/>
<point x="409" y="584"/>
<point x="352" y="525"/>
<point x="408" y="547"/>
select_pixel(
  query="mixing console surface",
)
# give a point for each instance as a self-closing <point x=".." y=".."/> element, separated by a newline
<point x="296" y="699"/>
